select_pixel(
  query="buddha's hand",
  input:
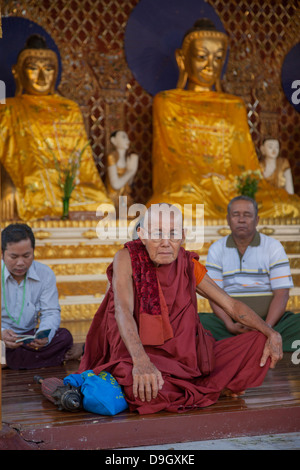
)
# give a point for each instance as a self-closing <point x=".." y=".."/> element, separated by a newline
<point x="147" y="380"/>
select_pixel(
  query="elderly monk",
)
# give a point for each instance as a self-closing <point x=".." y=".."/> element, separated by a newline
<point x="147" y="333"/>
<point x="41" y="137"/>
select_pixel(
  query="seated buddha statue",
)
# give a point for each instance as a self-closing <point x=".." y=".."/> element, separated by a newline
<point x="121" y="169"/>
<point x="201" y="137"/>
<point x="276" y="169"/>
<point x="36" y="125"/>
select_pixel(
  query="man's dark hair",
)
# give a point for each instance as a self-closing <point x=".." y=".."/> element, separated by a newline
<point x="15" y="233"/>
<point x="243" y="198"/>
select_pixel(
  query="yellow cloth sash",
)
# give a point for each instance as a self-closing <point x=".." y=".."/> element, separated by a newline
<point x="201" y="142"/>
<point x="28" y="125"/>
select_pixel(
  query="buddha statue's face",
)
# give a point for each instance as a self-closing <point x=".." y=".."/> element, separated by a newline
<point x="203" y="62"/>
<point x="36" y="71"/>
<point x="202" y="58"/>
<point x="38" y="75"/>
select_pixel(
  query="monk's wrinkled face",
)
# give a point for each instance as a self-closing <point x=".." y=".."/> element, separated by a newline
<point x="162" y="236"/>
<point x="203" y="62"/>
<point x="38" y="75"/>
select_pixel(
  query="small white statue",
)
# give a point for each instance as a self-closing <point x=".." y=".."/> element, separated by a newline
<point x="121" y="168"/>
<point x="276" y="169"/>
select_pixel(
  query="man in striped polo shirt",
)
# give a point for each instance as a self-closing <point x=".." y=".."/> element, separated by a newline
<point x="254" y="269"/>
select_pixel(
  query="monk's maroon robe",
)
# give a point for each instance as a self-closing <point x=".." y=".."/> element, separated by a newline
<point x="236" y="359"/>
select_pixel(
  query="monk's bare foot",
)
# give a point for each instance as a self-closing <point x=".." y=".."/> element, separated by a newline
<point x="228" y="393"/>
<point x="75" y="352"/>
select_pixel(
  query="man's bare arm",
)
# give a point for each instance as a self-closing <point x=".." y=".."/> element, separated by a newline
<point x="277" y="306"/>
<point x="240" y="312"/>
<point x="233" y="327"/>
<point x="147" y="379"/>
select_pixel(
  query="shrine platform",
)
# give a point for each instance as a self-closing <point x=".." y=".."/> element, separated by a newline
<point x="31" y="422"/>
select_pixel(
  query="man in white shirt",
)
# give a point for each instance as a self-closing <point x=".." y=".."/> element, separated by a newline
<point x="29" y="301"/>
<point x="253" y="268"/>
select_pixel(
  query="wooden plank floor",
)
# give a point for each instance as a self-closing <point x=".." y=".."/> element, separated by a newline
<point x="272" y="408"/>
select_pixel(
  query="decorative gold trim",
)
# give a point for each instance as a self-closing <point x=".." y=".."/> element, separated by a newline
<point x="291" y="246"/>
<point x="77" y="269"/>
<point x="224" y="231"/>
<point x="81" y="288"/>
<point x="78" y="312"/>
<point x="88" y="223"/>
<point x="267" y="230"/>
<point x="42" y="235"/>
<point x="49" y="251"/>
<point x="294" y="263"/>
<point x="90" y="234"/>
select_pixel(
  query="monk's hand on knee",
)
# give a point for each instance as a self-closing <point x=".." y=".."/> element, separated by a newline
<point x="147" y="381"/>
<point x="272" y="349"/>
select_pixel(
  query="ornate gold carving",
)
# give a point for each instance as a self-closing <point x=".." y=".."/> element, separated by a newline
<point x="49" y="251"/>
<point x="81" y="288"/>
<point x="296" y="279"/>
<point x="294" y="304"/>
<point x="79" y="311"/>
<point x="90" y="234"/>
<point x="224" y="231"/>
<point x="76" y="269"/>
<point x="42" y="235"/>
<point x="291" y="246"/>
<point x="267" y="230"/>
<point x="294" y="263"/>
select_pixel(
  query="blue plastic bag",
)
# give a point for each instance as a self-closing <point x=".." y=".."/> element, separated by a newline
<point x="101" y="393"/>
<point x="76" y="379"/>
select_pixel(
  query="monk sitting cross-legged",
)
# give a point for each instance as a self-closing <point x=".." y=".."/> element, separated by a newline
<point x="147" y="332"/>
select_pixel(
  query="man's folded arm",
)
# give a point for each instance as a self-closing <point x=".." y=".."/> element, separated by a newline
<point x="241" y="313"/>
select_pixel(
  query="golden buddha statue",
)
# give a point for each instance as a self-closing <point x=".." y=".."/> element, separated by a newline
<point x="121" y="169"/>
<point x="201" y="138"/>
<point x="41" y="133"/>
<point x="276" y="169"/>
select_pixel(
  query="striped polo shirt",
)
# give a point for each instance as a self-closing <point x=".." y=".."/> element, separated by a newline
<point x="253" y="276"/>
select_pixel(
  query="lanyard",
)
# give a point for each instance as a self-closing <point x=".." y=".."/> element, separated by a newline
<point x="5" y="302"/>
